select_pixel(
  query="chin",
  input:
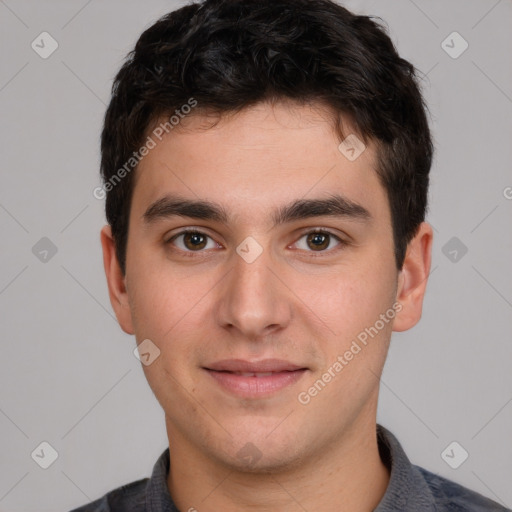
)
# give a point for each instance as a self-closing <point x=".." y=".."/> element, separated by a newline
<point x="262" y="451"/>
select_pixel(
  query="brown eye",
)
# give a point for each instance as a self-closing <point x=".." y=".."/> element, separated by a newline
<point x="194" y="241"/>
<point x="191" y="241"/>
<point x="319" y="240"/>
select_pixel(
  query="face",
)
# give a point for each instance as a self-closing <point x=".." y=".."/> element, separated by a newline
<point x="260" y="263"/>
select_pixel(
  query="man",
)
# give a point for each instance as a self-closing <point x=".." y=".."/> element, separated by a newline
<point x="265" y="167"/>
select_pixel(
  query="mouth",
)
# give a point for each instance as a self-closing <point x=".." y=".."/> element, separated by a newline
<point x="255" y="379"/>
<point x="250" y="374"/>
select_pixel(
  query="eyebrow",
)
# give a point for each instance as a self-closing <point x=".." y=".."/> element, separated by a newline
<point x="335" y="206"/>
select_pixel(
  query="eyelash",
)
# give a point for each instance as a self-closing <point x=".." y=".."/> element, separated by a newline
<point x="314" y="254"/>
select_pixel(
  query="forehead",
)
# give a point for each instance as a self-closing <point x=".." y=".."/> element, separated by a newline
<point x="262" y="156"/>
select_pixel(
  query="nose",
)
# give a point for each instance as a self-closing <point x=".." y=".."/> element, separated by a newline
<point x="253" y="300"/>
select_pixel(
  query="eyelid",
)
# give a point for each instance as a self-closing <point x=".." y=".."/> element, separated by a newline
<point x="342" y="242"/>
<point x="187" y="231"/>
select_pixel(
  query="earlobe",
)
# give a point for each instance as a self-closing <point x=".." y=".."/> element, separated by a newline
<point x="116" y="281"/>
<point x="412" y="279"/>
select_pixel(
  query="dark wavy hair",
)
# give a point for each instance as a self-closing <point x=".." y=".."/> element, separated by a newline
<point x="231" y="54"/>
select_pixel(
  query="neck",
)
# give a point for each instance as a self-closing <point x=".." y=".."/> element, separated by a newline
<point x="349" y="476"/>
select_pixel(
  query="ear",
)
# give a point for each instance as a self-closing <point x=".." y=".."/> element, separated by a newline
<point x="116" y="281"/>
<point x="412" y="279"/>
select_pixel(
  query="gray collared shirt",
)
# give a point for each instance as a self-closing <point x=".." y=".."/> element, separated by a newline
<point x="410" y="489"/>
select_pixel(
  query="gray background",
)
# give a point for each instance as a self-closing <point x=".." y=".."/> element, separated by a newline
<point x="68" y="374"/>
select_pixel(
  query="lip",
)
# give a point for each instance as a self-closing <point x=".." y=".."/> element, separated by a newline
<point x="231" y="375"/>
<point x="265" y="365"/>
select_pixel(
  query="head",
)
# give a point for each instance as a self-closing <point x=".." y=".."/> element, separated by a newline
<point x="240" y="106"/>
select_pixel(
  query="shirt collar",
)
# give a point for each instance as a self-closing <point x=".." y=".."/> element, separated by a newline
<point x="407" y="489"/>
<point x="158" y="497"/>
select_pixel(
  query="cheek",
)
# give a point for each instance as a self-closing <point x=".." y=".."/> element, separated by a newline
<point x="351" y="298"/>
<point x="170" y="306"/>
<point x="157" y="302"/>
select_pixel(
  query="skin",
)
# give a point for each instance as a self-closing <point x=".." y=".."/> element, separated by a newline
<point x="287" y="304"/>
